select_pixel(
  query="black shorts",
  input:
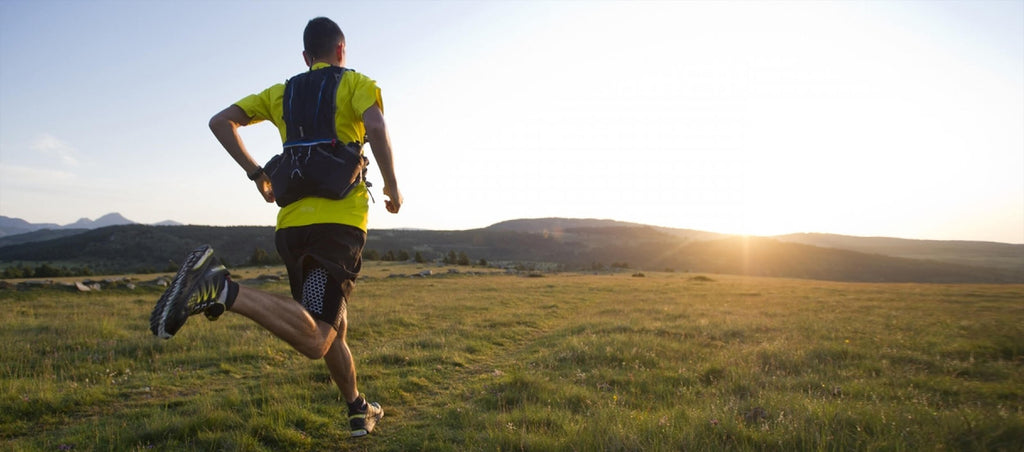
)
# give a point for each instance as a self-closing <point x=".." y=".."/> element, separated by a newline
<point x="323" y="261"/>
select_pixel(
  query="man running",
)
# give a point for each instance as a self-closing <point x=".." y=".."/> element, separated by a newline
<point x="320" y="232"/>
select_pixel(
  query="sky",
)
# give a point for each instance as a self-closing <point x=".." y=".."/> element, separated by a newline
<point x="866" y="118"/>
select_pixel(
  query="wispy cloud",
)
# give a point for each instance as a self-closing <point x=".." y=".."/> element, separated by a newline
<point x="52" y="146"/>
<point x="23" y="177"/>
<point x="31" y="192"/>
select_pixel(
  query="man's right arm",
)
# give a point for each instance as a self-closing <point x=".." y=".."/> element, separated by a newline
<point x="224" y="126"/>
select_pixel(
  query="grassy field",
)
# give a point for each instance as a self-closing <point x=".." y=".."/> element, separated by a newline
<point x="668" y="361"/>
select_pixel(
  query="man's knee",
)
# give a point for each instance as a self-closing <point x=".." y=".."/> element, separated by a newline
<point x="314" y="349"/>
<point x="319" y="342"/>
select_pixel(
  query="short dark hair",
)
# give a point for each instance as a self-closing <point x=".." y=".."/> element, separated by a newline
<point x="321" y="37"/>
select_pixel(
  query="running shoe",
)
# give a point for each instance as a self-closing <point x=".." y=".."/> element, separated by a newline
<point x="362" y="422"/>
<point x="197" y="287"/>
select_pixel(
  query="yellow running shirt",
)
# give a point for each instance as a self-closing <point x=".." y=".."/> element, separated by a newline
<point x="356" y="93"/>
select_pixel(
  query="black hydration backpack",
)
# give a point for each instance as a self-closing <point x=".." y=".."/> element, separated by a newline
<point x="314" y="163"/>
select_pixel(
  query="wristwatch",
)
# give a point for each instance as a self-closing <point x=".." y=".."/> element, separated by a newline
<point x="256" y="174"/>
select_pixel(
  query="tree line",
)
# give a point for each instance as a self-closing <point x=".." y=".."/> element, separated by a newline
<point x="451" y="258"/>
<point x="261" y="257"/>
<point x="258" y="258"/>
<point x="44" y="271"/>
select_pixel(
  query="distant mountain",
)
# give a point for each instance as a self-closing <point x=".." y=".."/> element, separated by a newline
<point x="16" y="226"/>
<point x="11" y="226"/>
<point x="110" y="219"/>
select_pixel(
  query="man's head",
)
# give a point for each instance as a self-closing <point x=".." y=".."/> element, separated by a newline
<point x="323" y="41"/>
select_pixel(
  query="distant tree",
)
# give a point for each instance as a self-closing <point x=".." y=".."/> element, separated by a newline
<point x="418" y="258"/>
<point x="482" y="262"/>
<point x="47" y="271"/>
<point x="371" y="255"/>
<point x="17" y="271"/>
<point x="403" y="255"/>
<point x="260" y="257"/>
<point x="389" y="256"/>
<point x="463" y="259"/>
<point x="525" y="266"/>
<point x="451" y="258"/>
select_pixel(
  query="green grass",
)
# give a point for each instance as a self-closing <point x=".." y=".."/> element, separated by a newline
<point x="560" y="362"/>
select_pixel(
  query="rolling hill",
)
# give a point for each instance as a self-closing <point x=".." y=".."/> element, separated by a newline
<point x="40" y="235"/>
<point x="571" y="244"/>
<point x="985" y="254"/>
<point x="140" y="248"/>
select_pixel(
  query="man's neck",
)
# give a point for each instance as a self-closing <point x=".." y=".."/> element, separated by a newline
<point x="328" y="62"/>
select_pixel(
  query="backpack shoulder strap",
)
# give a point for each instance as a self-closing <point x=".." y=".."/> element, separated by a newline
<point x="310" y="102"/>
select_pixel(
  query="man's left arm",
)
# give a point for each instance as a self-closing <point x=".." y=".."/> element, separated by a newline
<point x="380" y="142"/>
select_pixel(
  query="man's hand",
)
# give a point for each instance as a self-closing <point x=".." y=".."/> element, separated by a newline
<point x="395" y="199"/>
<point x="267" y="190"/>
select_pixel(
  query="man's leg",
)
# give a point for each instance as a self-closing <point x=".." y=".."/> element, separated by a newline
<point x="287" y="320"/>
<point x="201" y="288"/>
<point x="362" y="415"/>
<point x="341" y="366"/>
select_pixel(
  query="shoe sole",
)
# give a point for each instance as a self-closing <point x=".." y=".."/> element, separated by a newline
<point x="158" y="319"/>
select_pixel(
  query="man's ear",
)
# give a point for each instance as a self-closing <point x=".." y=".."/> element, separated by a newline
<point x="306" y="58"/>
<point x="340" y="52"/>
